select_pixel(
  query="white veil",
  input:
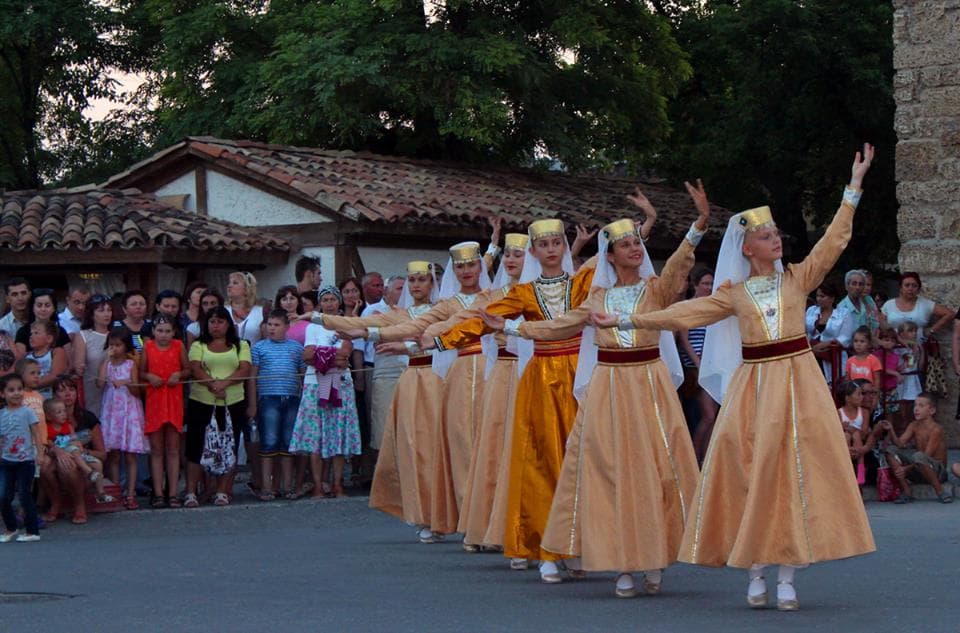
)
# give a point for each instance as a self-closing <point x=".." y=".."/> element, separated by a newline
<point x="490" y="348"/>
<point x="406" y="299"/>
<point x="605" y="276"/>
<point x="532" y="271"/>
<point x="722" y="343"/>
<point x="450" y="286"/>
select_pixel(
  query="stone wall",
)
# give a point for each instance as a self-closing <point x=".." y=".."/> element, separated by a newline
<point x="927" y="90"/>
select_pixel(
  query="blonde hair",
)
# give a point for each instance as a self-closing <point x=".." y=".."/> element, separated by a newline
<point x="250" y="287"/>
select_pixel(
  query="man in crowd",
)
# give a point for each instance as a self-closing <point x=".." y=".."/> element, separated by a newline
<point x="307" y="272"/>
<point x="72" y="315"/>
<point x="856" y="283"/>
<point x="921" y="451"/>
<point x="17" y="291"/>
<point x="372" y="284"/>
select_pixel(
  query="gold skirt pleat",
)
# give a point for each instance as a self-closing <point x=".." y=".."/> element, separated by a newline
<point x="777" y="486"/>
<point x="402" y="479"/>
<point x="490" y="454"/>
<point x="628" y="476"/>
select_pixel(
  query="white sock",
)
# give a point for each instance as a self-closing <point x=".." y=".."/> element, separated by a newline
<point x="625" y="581"/>
<point x="425" y="533"/>
<point x="785" y="589"/>
<point x="548" y="567"/>
<point x="654" y="575"/>
<point x="758" y="585"/>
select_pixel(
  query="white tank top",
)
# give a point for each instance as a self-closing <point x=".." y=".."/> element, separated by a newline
<point x="249" y="328"/>
<point x="856" y="423"/>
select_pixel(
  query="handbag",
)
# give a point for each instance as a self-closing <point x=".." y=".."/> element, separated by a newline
<point x="218" y="457"/>
<point x="887" y="487"/>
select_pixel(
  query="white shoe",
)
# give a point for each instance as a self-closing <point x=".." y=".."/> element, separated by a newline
<point x="28" y="538"/>
<point x="470" y="548"/>
<point x="519" y="564"/>
<point x="787" y="597"/>
<point x="651" y="582"/>
<point x="7" y="537"/>
<point x="427" y="537"/>
<point x="625" y="587"/>
<point x="550" y="573"/>
<point x="757" y="593"/>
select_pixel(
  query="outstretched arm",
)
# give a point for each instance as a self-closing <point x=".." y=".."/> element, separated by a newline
<point x="673" y="277"/>
<point x="414" y="328"/>
<point x="683" y="315"/>
<point x="470" y="330"/>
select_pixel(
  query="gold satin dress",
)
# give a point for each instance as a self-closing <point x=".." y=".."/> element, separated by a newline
<point x="402" y="480"/>
<point x="461" y="400"/>
<point x="630" y="470"/>
<point x="545" y="407"/>
<point x="776" y="487"/>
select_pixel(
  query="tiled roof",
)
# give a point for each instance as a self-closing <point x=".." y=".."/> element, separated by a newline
<point x="86" y="219"/>
<point x="390" y="189"/>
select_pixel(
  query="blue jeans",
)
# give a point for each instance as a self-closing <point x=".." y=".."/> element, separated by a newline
<point x="17" y="478"/>
<point x="276" y="416"/>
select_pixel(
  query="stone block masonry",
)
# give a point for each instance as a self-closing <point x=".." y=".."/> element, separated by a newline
<point x="926" y="87"/>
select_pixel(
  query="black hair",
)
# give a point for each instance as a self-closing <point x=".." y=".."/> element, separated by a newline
<point x="220" y="312"/>
<point x="15" y="281"/>
<point x="122" y="334"/>
<point x="280" y="314"/>
<point x="7" y="359"/>
<point x="6" y="380"/>
<point x="133" y="293"/>
<point x="930" y="397"/>
<point x="68" y="380"/>
<point x="283" y="292"/>
<point x="190" y="287"/>
<point x="848" y="388"/>
<point x="92" y="304"/>
<point x="168" y="294"/>
<point x="304" y="265"/>
<point x="865" y="331"/>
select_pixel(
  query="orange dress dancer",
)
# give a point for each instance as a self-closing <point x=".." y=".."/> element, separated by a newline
<point x="545" y="407"/>
<point x="461" y="397"/>
<point x="482" y="510"/>
<point x="403" y="477"/>
<point x="776" y="487"/>
<point x="630" y="470"/>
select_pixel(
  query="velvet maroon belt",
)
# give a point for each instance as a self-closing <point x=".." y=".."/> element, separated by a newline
<point x="421" y="361"/>
<point x="616" y="356"/>
<point x="776" y="350"/>
<point x="503" y="353"/>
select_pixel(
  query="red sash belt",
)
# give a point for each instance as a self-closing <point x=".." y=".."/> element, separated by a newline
<point x="616" y="356"/>
<point x="421" y="361"/>
<point x="503" y="353"/>
<point x="783" y="348"/>
<point x="470" y="350"/>
<point x="557" y="348"/>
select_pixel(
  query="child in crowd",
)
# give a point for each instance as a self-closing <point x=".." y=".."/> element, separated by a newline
<point x="863" y="364"/>
<point x="121" y="411"/>
<point x="855" y="420"/>
<point x="21" y="451"/>
<point x="29" y="371"/>
<point x="66" y="444"/>
<point x="273" y="397"/>
<point x="890" y="362"/>
<point x="52" y="360"/>
<point x="920" y="450"/>
<point x="910" y="355"/>
<point x="164" y="365"/>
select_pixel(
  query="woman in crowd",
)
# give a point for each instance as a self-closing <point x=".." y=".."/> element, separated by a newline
<point x="209" y="300"/>
<point x="777" y="487"/>
<point x="690" y="348"/>
<point x="353" y="305"/>
<point x="829" y="330"/>
<point x="168" y="303"/>
<point x="288" y="300"/>
<point x="135" y="318"/>
<point x="43" y="307"/>
<point x="352" y="293"/>
<point x="246" y="315"/>
<point x="192" y="310"/>
<point x="222" y="360"/>
<point x="89" y="348"/>
<point x="930" y="317"/>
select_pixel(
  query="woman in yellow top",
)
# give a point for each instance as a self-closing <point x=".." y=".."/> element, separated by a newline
<point x="630" y="470"/>
<point x="220" y="356"/>
<point x="404" y="473"/>
<point x="545" y="406"/>
<point x="776" y="487"/>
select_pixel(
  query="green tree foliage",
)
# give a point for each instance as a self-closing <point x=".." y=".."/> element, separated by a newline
<point x="783" y="93"/>
<point x="582" y="81"/>
<point x="55" y="57"/>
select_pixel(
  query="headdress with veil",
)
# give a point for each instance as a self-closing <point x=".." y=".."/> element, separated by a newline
<point x="462" y="253"/>
<point x="511" y="241"/>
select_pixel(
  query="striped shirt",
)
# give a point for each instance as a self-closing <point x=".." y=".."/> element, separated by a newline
<point x="278" y="365"/>
<point x="695" y="336"/>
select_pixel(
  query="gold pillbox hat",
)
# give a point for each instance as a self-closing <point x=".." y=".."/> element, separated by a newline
<point x="465" y="252"/>
<point x="753" y="219"/>
<point x="418" y="268"/>
<point x="517" y="241"/>
<point x="545" y="228"/>
<point x="620" y="229"/>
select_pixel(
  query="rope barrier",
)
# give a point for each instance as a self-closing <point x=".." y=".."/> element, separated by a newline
<point x="258" y="378"/>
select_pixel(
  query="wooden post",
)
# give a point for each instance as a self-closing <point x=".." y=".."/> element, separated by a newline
<point x="200" y="175"/>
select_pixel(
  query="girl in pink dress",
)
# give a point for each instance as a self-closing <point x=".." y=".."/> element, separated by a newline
<point x="121" y="412"/>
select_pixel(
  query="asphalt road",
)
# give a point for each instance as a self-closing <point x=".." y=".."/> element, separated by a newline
<point x="335" y="565"/>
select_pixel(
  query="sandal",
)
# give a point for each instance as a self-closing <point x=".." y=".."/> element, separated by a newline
<point x="221" y="499"/>
<point x="130" y="503"/>
<point x="157" y="502"/>
<point x="50" y="517"/>
<point x="267" y="496"/>
<point x="174" y="502"/>
<point x="190" y="501"/>
<point x="105" y="498"/>
<point x="79" y="519"/>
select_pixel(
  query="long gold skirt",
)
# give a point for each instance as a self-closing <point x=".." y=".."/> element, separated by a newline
<point x="543" y="416"/>
<point x="628" y="476"/>
<point x="777" y="487"/>
<point x="489" y="456"/>
<point x="460" y="419"/>
<point x="402" y="479"/>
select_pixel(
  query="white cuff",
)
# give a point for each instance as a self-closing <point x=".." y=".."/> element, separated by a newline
<point x="373" y="334"/>
<point x="625" y="322"/>
<point x="493" y="250"/>
<point x="694" y="235"/>
<point x="512" y="329"/>
<point x="316" y="317"/>
<point x="412" y="348"/>
<point x="851" y="196"/>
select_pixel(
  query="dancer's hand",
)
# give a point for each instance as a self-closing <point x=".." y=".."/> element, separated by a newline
<point x="391" y="349"/>
<point x="584" y="235"/>
<point x="641" y="202"/>
<point x="493" y="321"/>
<point x="495" y="223"/>
<point x="427" y="343"/>
<point x="351" y="333"/>
<point x="699" y="196"/>
<point x="604" y="320"/>
<point x="861" y="164"/>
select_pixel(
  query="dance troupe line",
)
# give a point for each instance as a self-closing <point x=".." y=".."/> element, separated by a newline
<point x="539" y="414"/>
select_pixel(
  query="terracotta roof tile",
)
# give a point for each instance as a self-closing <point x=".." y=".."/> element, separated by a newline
<point x="391" y="189"/>
<point x="119" y="219"/>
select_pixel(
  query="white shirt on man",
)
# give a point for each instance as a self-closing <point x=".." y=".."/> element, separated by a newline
<point x="69" y="323"/>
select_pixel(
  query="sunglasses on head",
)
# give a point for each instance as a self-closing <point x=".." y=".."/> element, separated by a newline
<point x="98" y="299"/>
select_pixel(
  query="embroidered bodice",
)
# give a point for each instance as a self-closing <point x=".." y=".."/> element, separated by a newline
<point x="553" y="295"/>
<point x="765" y="293"/>
<point x="624" y="300"/>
